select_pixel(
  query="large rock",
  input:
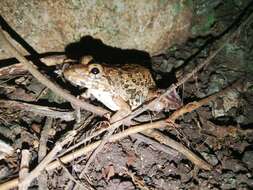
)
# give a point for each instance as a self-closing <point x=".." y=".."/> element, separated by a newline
<point x="147" y="25"/>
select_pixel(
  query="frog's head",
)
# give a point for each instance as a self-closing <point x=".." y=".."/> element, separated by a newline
<point x="84" y="75"/>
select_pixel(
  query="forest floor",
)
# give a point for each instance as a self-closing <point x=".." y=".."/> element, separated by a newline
<point x="219" y="132"/>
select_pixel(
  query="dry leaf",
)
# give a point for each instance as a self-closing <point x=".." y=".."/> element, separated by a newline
<point x="108" y="172"/>
<point x="131" y="158"/>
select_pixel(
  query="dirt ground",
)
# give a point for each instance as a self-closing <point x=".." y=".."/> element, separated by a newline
<point x="219" y="132"/>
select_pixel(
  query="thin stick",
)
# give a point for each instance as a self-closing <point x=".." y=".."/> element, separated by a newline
<point x="71" y="177"/>
<point x="179" y="147"/>
<point x="19" y="68"/>
<point x="155" y="144"/>
<point x="195" y="105"/>
<point x="42" y="179"/>
<point x="5" y="148"/>
<point x="50" y="156"/>
<point x="24" y="168"/>
<point x="40" y="110"/>
<point x="12" y="70"/>
<point x="45" y="81"/>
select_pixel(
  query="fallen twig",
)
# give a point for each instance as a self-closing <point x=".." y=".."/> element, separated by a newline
<point x="40" y="110"/>
<point x="5" y="149"/>
<point x="19" y="68"/>
<point x="42" y="152"/>
<point x="12" y="70"/>
<point x="50" y="156"/>
<point x="71" y="177"/>
<point x="24" y="168"/>
<point x="195" y="105"/>
<point x="179" y="147"/>
<point x="155" y="144"/>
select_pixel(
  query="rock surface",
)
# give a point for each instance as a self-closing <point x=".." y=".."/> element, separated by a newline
<point x="147" y="25"/>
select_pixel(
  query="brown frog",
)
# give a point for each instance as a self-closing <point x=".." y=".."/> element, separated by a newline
<point x="120" y="88"/>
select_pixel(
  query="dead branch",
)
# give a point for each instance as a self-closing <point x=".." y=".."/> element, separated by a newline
<point x="24" y="168"/>
<point x="45" y="81"/>
<point x="195" y="105"/>
<point x="42" y="152"/>
<point x="50" y="156"/>
<point x="40" y="110"/>
<point x="5" y="149"/>
<point x="19" y="68"/>
<point x="179" y="147"/>
<point x="12" y="70"/>
<point x="71" y="177"/>
<point x="155" y="144"/>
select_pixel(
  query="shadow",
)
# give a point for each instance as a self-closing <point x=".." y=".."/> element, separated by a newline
<point x="106" y="54"/>
<point x="166" y="79"/>
<point x="247" y="126"/>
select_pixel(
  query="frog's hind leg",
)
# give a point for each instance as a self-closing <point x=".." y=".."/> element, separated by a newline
<point x="124" y="109"/>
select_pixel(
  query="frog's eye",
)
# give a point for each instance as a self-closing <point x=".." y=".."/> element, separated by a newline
<point x="95" y="69"/>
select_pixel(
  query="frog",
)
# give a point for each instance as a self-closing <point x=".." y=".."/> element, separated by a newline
<point x="122" y="88"/>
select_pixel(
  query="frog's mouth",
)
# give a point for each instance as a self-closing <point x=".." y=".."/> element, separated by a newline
<point x="85" y="82"/>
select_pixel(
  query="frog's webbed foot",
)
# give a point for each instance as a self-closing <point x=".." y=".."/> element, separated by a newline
<point x="171" y="101"/>
<point x="122" y="112"/>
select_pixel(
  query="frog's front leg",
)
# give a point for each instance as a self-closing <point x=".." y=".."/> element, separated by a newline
<point x="124" y="109"/>
<point x="86" y="94"/>
<point x="77" y="109"/>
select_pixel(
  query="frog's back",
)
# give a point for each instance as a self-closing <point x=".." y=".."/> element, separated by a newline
<point x="131" y="82"/>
